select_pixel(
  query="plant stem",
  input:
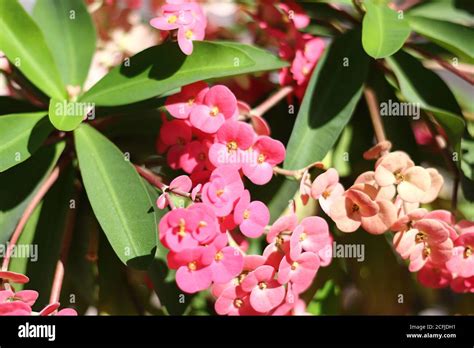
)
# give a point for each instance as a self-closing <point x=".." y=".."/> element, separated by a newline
<point x="373" y="105"/>
<point x="271" y="101"/>
<point x="443" y="64"/>
<point x="61" y="264"/>
<point x="45" y="186"/>
<point x="149" y="176"/>
<point x="297" y="173"/>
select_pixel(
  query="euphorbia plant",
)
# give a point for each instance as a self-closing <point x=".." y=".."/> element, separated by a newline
<point x="127" y="137"/>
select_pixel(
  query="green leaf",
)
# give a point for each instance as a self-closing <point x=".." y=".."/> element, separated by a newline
<point x="456" y="11"/>
<point x="67" y="116"/>
<point x="330" y="99"/>
<point x="413" y="79"/>
<point x="70" y="34"/>
<point x="21" y="136"/>
<point x="118" y="197"/>
<point x="326" y="301"/>
<point x="23" y="43"/>
<point x="383" y="31"/>
<point x="19" y="184"/>
<point x="454" y="37"/>
<point x="45" y="235"/>
<point x="161" y="69"/>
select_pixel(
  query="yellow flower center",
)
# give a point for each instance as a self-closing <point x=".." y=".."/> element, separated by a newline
<point x="303" y="236"/>
<point x="202" y="223"/>
<point x="262" y="285"/>
<point x="261" y="158"/>
<point x="219" y="256"/>
<point x="182" y="228"/>
<point x="246" y="214"/>
<point x="238" y="302"/>
<point x="294" y="265"/>
<point x="190" y="101"/>
<point x="399" y="177"/>
<point x="172" y="19"/>
<point x="420" y="237"/>
<point x="189" y="34"/>
<point x="326" y="194"/>
<point x="426" y="251"/>
<point x="214" y="111"/>
<point x="355" y="208"/>
<point x="467" y="252"/>
<point x="220" y="192"/>
<point x="192" y="266"/>
<point x="231" y="146"/>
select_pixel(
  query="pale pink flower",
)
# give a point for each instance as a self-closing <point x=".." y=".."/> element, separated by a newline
<point x="462" y="262"/>
<point x="326" y="188"/>
<point x="299" y="271"/>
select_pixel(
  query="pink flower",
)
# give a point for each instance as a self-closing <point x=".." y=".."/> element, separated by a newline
<point x="463" y="285"/>
<point x="358" y="208"/>
<point x="462" y="262"/>
<point x="182" y="183"/>
<point x="267" y="153"/>
<point x="181" y="104"/>
<point x="207" y="227"/>
<point x="377" y="150"/>
<point x="219" y="105"/>
<point x="265" y="292"/>
<point x="175" y="134"/>
<point x="326" y="188"/>
<point x="312" y="234"/>
<point x="396" y="168"/>
<point x="223" y="190"/>
<point x="434" y="276"/>
<point x="195" y="157"/>
<point x="283" y="225"/>
<point x="51" y="309"/>
<point x="234" y="301"/>
<point x="252" y="217"/>
<point x="17" y="303"/>
<point x="233" y="138"/>
<point x="299" y="271"/>
<point x="176" y="229"/>
<point x="227" y="261"/>
<point x="14" y="277"/>
<point x="193" y="274"/>
<point x="427" y="240"/>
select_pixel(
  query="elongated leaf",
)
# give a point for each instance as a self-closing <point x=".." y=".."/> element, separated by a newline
<point x="118" y="197"/>
<point x="24" y="45"/>
<point x="455" y="11"/>
<point x="21" y="136"/>
<point x="384" y="31"/>
<point x="454" y="37"/>
<point x="45" y="236"/>
<point x="70" y="34"/>
<point x="161" y="69"/>
<point x="413" y="79"/>
<point x="66" y="116"/>
<point x="19" y="184"/>
<point x="332" y="95"/>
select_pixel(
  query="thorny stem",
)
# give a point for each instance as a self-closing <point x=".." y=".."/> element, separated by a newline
<point x="60" y="265"/>
<point x="447" y="156"/>
<point x="271" y="101"/>
<point x="373" y="105"/>
<point x="45" y="186"/>
<point x="297" y="173"/>
<point x="443" y="63"/>
<point x="149" y="176"/>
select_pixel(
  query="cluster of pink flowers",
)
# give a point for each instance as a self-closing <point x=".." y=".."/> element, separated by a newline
<point x="389" y="199"/>
<point x="20" y="302"/>
<point x="185" y="17"/>
<point x="283" y="22"/>
<point x="206" y="140"/>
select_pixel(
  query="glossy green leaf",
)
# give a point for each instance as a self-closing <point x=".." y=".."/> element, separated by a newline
<point x="330" y="99"/>
<point x="118" y="197"/>
<point x="45" y="236"/>
<point x="454" y="37"/>
<point x="23" y="43"/>
<point x="413" y="79"/>
<point x="456" y="11"/>
<point x="384" y="31"/>
<point x="19" y="184"/>
<point x="67" y="116"/>
<point x="161" y="69"/>
<point x="70" y="34"/>
<point x="21" y="135"/>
